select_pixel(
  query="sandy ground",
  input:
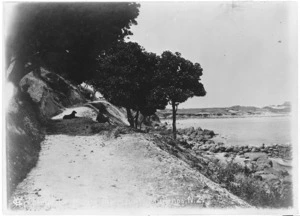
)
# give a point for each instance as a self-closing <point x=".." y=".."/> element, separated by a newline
<point x="91" y="172"/>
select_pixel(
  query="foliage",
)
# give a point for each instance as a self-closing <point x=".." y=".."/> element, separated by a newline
<point x="66" y="37"/>
<point x="241" y="182"/>
<point x="179" y="79"/>
<point x="129" y="76"/>
<point x="125" y="78"/>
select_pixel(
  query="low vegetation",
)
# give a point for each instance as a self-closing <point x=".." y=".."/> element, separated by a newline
<point x="241" y="182"/>
<point x="238" y="179"/>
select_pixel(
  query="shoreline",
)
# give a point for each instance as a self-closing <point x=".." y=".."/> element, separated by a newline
<point x="223" y="117"/>
<point x="237" y="167"/>
<point x="231" y="135"/>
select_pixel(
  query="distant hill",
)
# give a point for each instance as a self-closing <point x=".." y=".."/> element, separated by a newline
<point x="284" y="108"/>
<point x="229" y="112"/>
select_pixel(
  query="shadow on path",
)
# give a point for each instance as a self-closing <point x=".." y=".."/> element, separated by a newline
<point x="86" y="127"/>
<point x="77" y="127"/>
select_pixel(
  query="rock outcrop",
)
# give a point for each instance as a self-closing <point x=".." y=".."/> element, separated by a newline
<point x="42" y="96"/>
<point x="50" y="92"/>
<point x="115" y="115"/>
<point x="24" y="133"/>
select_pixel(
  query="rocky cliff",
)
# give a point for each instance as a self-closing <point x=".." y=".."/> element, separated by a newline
<point x="24" y="133"/>
<point x="39" y="98"/>
<point x="49" y="92"/>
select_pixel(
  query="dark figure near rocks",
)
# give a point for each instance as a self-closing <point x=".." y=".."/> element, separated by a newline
<point x="102" y="115"/>
<point x="101" y="118"/>
<point x="71" y="116"/>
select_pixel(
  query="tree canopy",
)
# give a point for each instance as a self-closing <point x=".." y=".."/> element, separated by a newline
<point x="85" y="42"/>
<point x="130" y="77"/>
<point x="179" y="79"/>
<point x="125" y="78"/>
<point x="67" y="37"/>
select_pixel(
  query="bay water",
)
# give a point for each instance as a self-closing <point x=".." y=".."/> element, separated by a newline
<point x="252" y="131"/>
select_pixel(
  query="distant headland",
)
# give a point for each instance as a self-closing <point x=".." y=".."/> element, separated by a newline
<point x="229" y="112"/>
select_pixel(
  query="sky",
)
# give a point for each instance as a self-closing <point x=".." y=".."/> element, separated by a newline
<point x="248" y="50"/>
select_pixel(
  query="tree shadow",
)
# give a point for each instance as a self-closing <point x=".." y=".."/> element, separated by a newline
<point x="86" y="127"/>
<point x="77" y="127"/>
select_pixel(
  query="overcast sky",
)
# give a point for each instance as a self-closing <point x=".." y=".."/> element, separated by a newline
<point x="248" y="50"/>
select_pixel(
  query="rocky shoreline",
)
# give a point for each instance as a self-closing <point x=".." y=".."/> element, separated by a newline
<point x="266" y="164"/>
<point x="195" y="116"/>
<point x="200" y="139"/>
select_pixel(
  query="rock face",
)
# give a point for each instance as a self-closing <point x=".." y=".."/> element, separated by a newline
<point x="115" y="115"/>
<point x="41" y="97"/>
<point x="50" y="92"/>
<point x="23" y="136"/>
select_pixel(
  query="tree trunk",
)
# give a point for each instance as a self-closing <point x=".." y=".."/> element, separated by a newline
<point x="142" y="121"/>
<point x="94" y="95"/>
<point x="137" y="119"/>
<point x="129" y="117"/>
<point x="174" y="109"/>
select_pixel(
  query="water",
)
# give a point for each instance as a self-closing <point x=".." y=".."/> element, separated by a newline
<point x="245" y="131"/>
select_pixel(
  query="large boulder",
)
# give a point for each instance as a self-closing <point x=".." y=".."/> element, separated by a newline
<point x="189" y="130"/>
<point x="114" y="114"/>
<point x="49" y="92"/>
<point x="209" y="132"/>
<point x="263" y="163"/>
<point x="229" y="149"/>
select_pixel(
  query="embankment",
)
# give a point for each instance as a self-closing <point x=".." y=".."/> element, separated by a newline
<point x="260" y="175"/>
<point x="98" y="166"/>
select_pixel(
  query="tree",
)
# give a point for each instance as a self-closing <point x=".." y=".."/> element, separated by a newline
<point x="179" y="79"/>
<point x="66" y="37"/>
<point x="125" y="78"/>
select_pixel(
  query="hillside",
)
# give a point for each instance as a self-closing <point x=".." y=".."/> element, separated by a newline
<point x="229" y="112"/>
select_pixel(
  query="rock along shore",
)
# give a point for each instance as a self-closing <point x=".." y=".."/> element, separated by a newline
<point x="267" y="163"/>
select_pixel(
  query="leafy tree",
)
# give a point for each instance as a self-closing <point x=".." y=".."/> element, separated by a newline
<point x="179" y="79"/>
<point x="66" y="37"/>
<point x="125" y="78"/>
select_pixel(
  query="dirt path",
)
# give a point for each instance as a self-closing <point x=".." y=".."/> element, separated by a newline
<point x="92" y="172"/>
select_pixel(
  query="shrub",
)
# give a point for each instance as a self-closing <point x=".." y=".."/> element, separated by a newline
<point x="240" y="182"/>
